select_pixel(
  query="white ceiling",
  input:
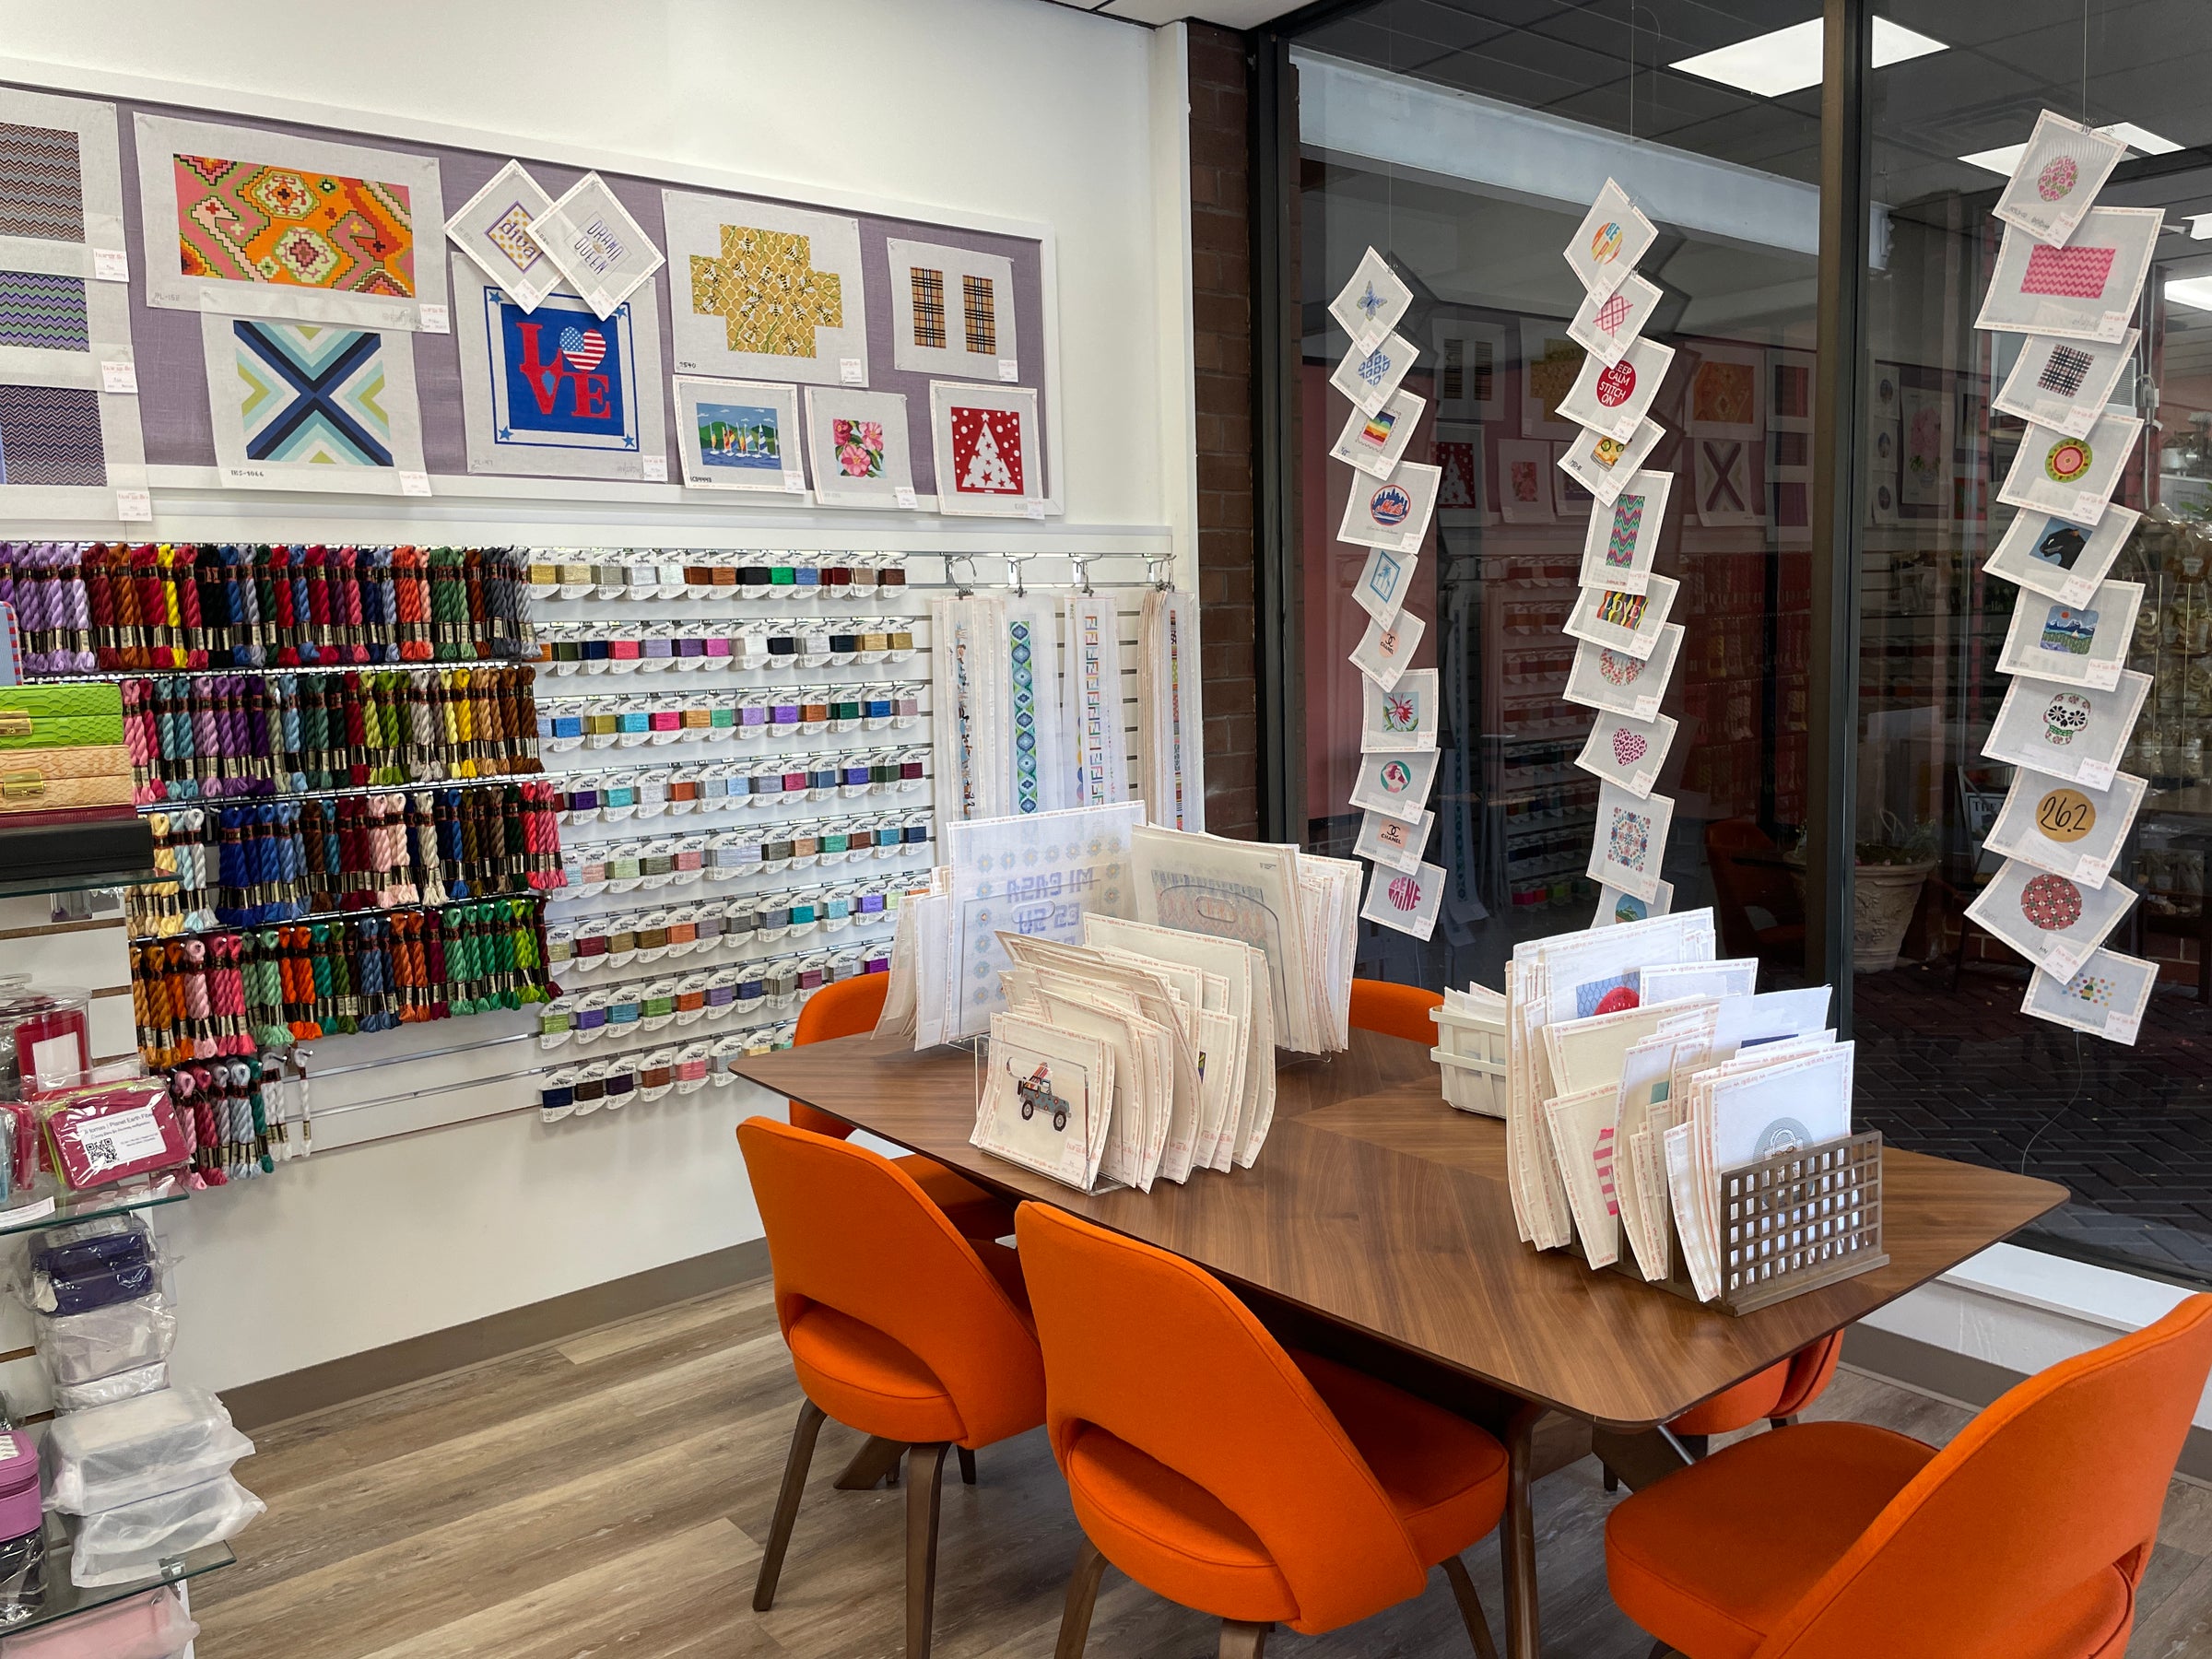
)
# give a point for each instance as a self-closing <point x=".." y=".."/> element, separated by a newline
<point x="1231" y="14"/>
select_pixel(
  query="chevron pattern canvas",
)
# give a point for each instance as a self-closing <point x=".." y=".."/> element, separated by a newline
<point x="44" y="313"/>
<point x="41" y="183"/>
<point x="313" y="392"/>
<point x="51" y="435"/>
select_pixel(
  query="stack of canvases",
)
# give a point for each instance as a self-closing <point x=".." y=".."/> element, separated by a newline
<point x="1627" y="647"/>
<point x="2067" y="279"/>
<point x="1387" y="512"/>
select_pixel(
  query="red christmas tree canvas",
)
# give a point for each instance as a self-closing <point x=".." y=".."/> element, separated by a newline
<point x="987" y="457"/>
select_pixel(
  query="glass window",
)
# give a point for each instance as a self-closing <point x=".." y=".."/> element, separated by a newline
<point x="1466" y="142"/>
<point x="1947" y="1063"/>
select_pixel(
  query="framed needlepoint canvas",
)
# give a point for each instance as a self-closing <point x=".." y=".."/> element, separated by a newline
<point x="989" y="462"/>
<point x="603" y="251"/>
<point x="952" y="311"/>
<point x="740" y="435"/>
<point x="493" y="228"/>
<point x="2086" y="290"/>
<point x="761" y="291"/>
<point x="859" y="447"/>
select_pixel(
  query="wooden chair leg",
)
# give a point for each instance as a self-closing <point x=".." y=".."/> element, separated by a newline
<point x="1243" y="1640"/>
<point x="1782" y="1422"/>
<point x="876" y="1461"/>
<point x="967" y="1466"/>
<point x="1082" y="1597"/>
<point x="1663" y="1651"/>
<point x="1612" y="1480"/>
<point x="787" y="1504"/>
<point x="1470" y="1607"/>
<point x="925" y="1478"/>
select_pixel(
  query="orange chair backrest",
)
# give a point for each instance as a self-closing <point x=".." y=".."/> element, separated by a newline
<point x="1157" y="1353"/>
<point x="850" y="1229"/>
<point x="843" y="1008"/>
<point x="1812" y="1369"/>
<point x="1395" y="1010"/>
<point x="2062" y="1478"/>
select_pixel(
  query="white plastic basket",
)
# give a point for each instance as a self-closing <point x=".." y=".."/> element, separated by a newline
<point x="1471" y="1050"/>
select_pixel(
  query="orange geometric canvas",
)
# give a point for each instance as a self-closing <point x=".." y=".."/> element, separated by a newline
<point x="241" y="221"/>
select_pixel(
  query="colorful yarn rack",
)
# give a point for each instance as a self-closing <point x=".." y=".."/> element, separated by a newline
<point x="226" y="1114"/>
<point x="246" y="866"/>
<point x="248" y="735"/>
<point x="233" y="994"/>
<point x="85" y="607"/>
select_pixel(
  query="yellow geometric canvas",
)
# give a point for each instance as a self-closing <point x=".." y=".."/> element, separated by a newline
<point x="767" y="292"/>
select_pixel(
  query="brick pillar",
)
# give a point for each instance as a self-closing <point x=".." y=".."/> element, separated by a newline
<point x="1221" y="285"/>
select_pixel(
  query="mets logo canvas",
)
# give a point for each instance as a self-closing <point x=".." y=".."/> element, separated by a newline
<point x="561" y="377"/>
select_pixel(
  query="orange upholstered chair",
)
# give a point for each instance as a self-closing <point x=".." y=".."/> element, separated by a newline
<point x="1223" y="1471"/>
<point x="847" y="1007"/>
<point x="2024" y="1538"/>
<point x="1777" y="1394"/>
<point x="1395" y="1010"/>
<point x="898" y="1326"/>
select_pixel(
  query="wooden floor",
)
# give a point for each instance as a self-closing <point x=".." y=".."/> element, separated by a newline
<point x="605" y="1495"/>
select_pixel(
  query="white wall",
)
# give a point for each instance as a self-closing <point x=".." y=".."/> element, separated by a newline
<point x="1005" y="107"/>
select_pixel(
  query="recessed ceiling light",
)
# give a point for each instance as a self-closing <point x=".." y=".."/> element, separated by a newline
<point x="2194" y="292"/>
<point x="1788" y="60"/>
<point x="2004" y="157"/>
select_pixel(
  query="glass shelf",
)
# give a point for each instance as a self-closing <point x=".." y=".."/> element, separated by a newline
<point x="50" y="1204"/>
<point x="65" y="1600"/>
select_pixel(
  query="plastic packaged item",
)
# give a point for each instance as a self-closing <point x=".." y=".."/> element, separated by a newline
<point x="43" y="1036"/>
<point x="118" y="1545"/>
<point x="22" y="1528"/>
<point x="83" y="1347"/>
<point x="94" y="1273"/>
<point x="154" y="1626"/>
<point x="106" y="1391"/>
<point x="104" y="1133"/>
<point x="139" y="1448"/>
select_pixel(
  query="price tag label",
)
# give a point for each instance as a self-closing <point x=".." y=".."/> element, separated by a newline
<point x="904" y="496"/>
<point x="1033" y="510"/>
<point x="134" y="505"/>
<point x="414" y="483"/>
<point x="656" y="469"/>
<point x="851" y="371"/>
<point x="2097" y="774"/>
<point x="795" y="483"/>
<point x="2086" y="872"/>
<point x="2122" y="1028"/>
<point x="111" y="265"/>
<point x="435" y="319"/>
<point x="119" y="377"/>
<point x="1009" y="369"/>
<point x="15" y="1217"/>
<point x="2062" y="962"/>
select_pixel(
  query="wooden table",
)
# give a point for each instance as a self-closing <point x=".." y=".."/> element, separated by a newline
<point x="1376" y="1225"/>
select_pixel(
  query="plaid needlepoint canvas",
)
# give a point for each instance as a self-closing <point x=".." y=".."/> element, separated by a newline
<point x="2064" y="372"/>
<point x="981" y="315"/>
<point x="929" y="307"/>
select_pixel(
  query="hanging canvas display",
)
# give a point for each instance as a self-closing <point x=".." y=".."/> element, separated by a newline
<point x="740" y="435"/>
<point x="2071" y="477"/>
<point x="1470" y="356"/>
<point x="1790" y="376"/>
<point x="1627" y="752"/>
<point x="952" y="311"/>
<point x="1374" y="443"/>
<point x="1397" y="784"/>
<point x="858" y="447"/>
<point x="1630" y="843"/>
<point x="1039" y="773"/>
<point x="1391" y="512"/>
<point x="1384" y="653"/>
<point x="1724" y="492"/>
<point x="2067" y="829"/>
<point x="2105" y="996"/>
<point x="1171" y="723"/>
<point x="758" y="291"/>
<point x="1404" y="717"/>
<point x="1549" y="361"/>
<point x="1094" y="699"/>
<point x="1602" y="464"/>
<point x="1624" y="539"/>
<point x="493" y="228"/>
<point x="2086" y="290"/>
<point x="68" y="450"/>
<point x="61" y="188"/>
<point x="596" y="244"/>
<point x="2071" y="732"/>
<point x="1370" y="375"/>
<point x="1570" y="497"/>
<point x="1611" y="399"/>
<point x="559" y="391"/>
<point x="984" y="439"/>
<point x="1369" y="306"/>
<point x="1724" y="394"/>
<point x="2080" y="644"/>
<point x="1624" y="621"/>
<point x="967" y="720"/>
<point x="2056" y="179"/>
<point x="1405" y="901"/>
<point x="2063" y="560"/>
<point x="2065" y="384"/>
<point x="1618" y="683"/>
<point x="1926" y="455"/>
<point x="1384" y="581"/>
<point x="1463" y="491"/>
<point x="262" y="224"/>
<point x="66" y="327"/>
<point x="1524" y="482"/>
<point x="1612" y="237"/>
<point x="313" y="406"/>
<point x="1614" y="906"/>
<point x="1608" y="324"/>
<point x="2054" y="921"/>
<point x="1398" y="842"/>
